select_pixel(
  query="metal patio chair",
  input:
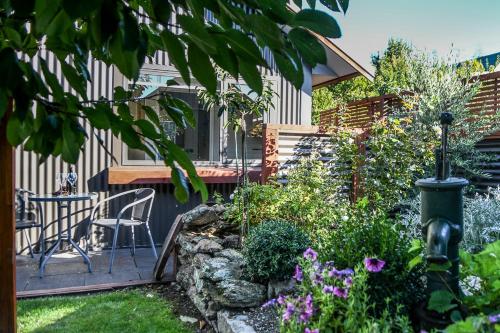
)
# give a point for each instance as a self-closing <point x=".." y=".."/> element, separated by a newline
<point x="140" y="210"/>
<point x="29" y="215"/>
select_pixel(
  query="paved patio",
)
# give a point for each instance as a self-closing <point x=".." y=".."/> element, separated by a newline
<point x="67" y="270"/>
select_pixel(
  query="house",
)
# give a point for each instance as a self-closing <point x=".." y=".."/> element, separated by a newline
<point x="210" y="145"/>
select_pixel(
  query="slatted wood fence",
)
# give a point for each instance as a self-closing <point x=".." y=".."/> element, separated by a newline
<point x="360" y="115"/>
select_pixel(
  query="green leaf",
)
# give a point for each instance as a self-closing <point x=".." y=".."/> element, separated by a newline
<point x="45" y="11"/>
<point x="181" y="190"/>
<point x="197" y="33"/>
<point x="311" y="50"/>
<point x="176" y="53"/>
<point x="151" y="114"/>
<point x="186" y="109"/>
<point x="10" y="69"/>
<point x="441" y="301"/>
<point x="126" y="61"/>
<point x="98" y="116"/>
<point x="317" y="21"/>
<point x="13" y="131"/>
<point x="202" y="68"/>
<point x="244" y="46"/>
<point x="161" y="10"/>
<point x="266" y="30"/>
<point x="147" y="128"/>
<point x="414" y="262"/>
<point x="70" y="147"/>
<point x="130" y="31"/>
<point x="129" y="135"/>
<point x="75" y="79"/>
<point x="251" y="75"/>
<point x="124" y="113"/>
<point x="52" y="81"/>
<point x="179" y="155"/>
<point x="78" y="9"/>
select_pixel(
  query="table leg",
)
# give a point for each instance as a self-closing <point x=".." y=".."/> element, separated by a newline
<point x="45" y="257"/>
<point x="86" y="259"/>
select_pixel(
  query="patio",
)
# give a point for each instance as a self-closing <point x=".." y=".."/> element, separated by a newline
<point x="67" y="273"/>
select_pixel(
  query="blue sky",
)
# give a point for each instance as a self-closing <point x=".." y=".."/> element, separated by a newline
<point x="471" y="27"/>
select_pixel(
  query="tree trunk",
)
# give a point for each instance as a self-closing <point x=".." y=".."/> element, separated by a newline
<point x="7" y="231"/>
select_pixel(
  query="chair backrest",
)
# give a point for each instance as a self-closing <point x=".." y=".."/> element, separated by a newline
<point x="25" y="209"/>
<point x="142" y="210"/>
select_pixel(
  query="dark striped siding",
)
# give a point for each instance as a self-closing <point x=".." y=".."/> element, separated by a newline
<point x="93" y="162"/>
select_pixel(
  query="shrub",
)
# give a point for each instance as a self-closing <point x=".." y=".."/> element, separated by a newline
<point x="271" y="250"/>
<point x="364" y="232"/>
<point x="332" y="300"/>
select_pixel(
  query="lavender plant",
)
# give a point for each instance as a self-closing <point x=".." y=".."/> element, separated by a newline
<point x="481" y="220"/>
<point x="333" y="300"/>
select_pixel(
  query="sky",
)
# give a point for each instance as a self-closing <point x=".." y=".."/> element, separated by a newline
<point x="470" y="27"/>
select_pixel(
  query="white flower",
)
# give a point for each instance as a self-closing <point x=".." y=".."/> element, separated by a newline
<point x="345" y="218"/>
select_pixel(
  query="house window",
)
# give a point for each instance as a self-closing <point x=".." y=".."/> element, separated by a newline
<point x="197" y="142"/>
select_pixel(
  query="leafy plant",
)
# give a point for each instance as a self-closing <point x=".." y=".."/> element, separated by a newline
<point x="124" y="34"/>
<point x="333" y="300"/>
<point x="364" y="232"/>
<point x="271" y="250"/>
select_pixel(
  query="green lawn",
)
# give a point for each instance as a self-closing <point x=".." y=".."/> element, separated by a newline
<point x="122" y="311"/>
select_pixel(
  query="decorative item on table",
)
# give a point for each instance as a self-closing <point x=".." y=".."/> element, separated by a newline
<point x="61" y="184"/>
<point x="72" y="178"/>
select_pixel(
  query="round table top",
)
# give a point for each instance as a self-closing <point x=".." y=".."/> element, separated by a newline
<point x="70" y="197"/>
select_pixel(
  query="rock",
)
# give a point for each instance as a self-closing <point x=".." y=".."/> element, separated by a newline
<point x="231" y="241"/>
<point x="186" y="243"/>
<point x="199" y="216"/>
<point x="186" y="319"/>
<point x="218" y="269"/>
<point x="185" y="276"/>
<point x="239" y="294"/>
<point x="198" y="301"/>
<point x="199" y="259"/>
<point x="207" y="246"/>
<point x="275" y="288"/>
<point x="232" y="255"/>
<point x="227" y="323"/>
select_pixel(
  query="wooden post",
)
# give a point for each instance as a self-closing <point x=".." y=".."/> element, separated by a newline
<point x="7" y="231"/>
<point x="270" y="138"/>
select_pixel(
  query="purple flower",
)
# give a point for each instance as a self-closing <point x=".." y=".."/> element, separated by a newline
<point x="307" y="309"/>
<point x="281" y="299"/>
<point x="348" y="281"/>
<point x="328" y="289"/>
<point x="340" y="292"/>
<point x="329" y="264"/>
<point x="289" y="311"/>
<point x="298" y="273"/>
<point x="374" y="265"/>
<point x="316" y="278"/>
<point x="310" y="254"/>
<point x="494" y="318"/>
<point x="307" y="330"/>
<point x="269" y="303"/>
<point x="340" y="274"/>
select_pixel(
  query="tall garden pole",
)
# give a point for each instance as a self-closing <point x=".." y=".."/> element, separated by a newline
<point x="7" y="232"/>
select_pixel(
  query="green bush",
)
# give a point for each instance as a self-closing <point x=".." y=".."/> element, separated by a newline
<point x="271" y="250"/>
<point x="363" y="232"/>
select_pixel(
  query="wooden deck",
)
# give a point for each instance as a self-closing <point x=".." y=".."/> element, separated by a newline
<point x="67" y="274"/>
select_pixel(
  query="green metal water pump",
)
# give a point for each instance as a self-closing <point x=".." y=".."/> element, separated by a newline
<point x="442" y="225"/>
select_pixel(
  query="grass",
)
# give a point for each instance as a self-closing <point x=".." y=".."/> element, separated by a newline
<point x="121" y="311"/>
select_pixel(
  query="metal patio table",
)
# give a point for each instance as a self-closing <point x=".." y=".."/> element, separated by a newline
<point x="63" y="201"/>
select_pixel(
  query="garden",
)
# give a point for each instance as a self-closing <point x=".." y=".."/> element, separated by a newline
<point x="358" y="264"/>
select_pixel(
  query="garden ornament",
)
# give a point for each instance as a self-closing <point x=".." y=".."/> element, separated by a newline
<point x="442" y="227"/>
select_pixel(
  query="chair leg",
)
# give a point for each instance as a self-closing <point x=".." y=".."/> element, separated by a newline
<point x="113" y="249"/>
<point x="29" y="243"/>
<point x="151" y="240"/>
<point x="133" y="241"/>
